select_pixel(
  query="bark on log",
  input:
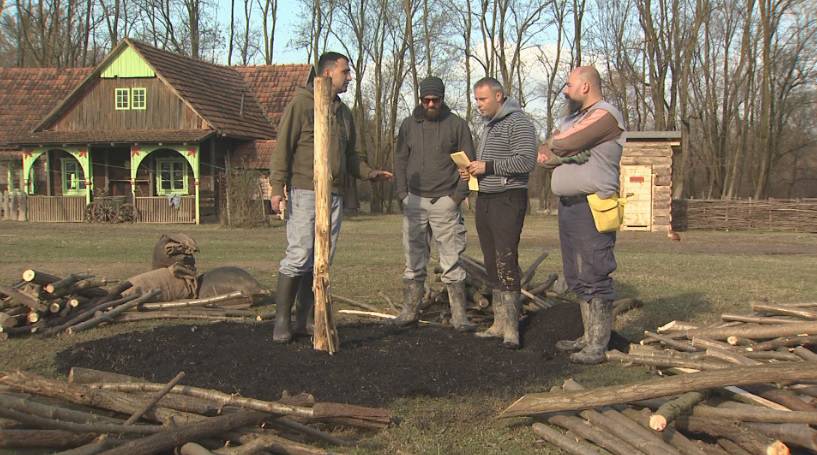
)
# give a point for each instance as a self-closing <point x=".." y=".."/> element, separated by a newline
<point x="677" y="326"/>
<point x="622" y="306"/>
<point x="257" y="442"/>
<point x="680" y="345"/>
<point x="52" y="439"/>
<point x="618" y="425"/>
<point x="540" y="403"/>
<point x="89" y="313"/>
<point x="153" y="315"/>
<point x="24" y="404"/>
<point x="595" y="434"/>
<point x="63" y="286"/>
<point x="179" y="435"/>
<point x="773" y="355"/>
<point x="563" y="442"/>
<point x="784" y="397"/>
<point x="763" y="320"/>
<point x="547" y="284"/>
<point x="159" y="395"/>
<point x="748" y="413"/>
<point x="42" y="422"/>
<point x="785" y="311"/>
<point x="805" y="354"/>
<point x="229" y="297"/>
<point x="756" y="332"/>
<point x="531" y="270"/>
<point x="752" y="441"/>
<point x="785" y="342"/>
<point x="796" y="434"/>
<point x="81" y="394"/>
<point x="664" y="361"/>
<point x="672" y="409"/>
<point x="37" y="277"/>
<point x="731" y="448"/>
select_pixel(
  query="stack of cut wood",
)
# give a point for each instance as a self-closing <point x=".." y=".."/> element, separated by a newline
<point x="101" y="412"/>
<point x="535" y="295"/>
<point x="46" y="304"/>
<point x="746" y="385"/>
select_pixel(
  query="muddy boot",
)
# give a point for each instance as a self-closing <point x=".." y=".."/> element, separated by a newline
<point x="456" y="298"/>
<point x="412" y="296"/>
<point x="304" y="306"/>
<point x="579" y="343"/>
<point x="497" y="329"/>
<point x="284" y="297"/>
<point x="600" y="323"/>
<point x="510" y="305"/>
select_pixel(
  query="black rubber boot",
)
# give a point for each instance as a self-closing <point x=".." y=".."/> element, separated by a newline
<point x="304" y="307"/>
<point x="284" y="297"/>
<point x="579" y="343"/>
<point x="497" y="328"/>
<point x="598" y="332"/>
<point x="510" y="305"/>
<point x="456" y="299"/>
<point x="412" y="296"/>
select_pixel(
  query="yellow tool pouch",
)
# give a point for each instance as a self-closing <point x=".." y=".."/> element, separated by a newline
<point x="607" y="213"/>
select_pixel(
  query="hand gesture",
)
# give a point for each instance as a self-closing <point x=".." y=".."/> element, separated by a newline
<point x="378" y="175"/>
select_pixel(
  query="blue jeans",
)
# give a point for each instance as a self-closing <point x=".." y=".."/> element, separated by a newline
<point x="300" y="254"/>
<point x="587" y="254"/>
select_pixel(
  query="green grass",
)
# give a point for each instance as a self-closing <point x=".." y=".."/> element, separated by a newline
<point x="696" y="279"/>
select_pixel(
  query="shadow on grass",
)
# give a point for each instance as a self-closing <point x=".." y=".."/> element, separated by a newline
<point x="656" y="312"/>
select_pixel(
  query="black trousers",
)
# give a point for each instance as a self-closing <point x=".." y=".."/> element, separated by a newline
<point x="587" y="254"/>
<point x="499" y="222"/>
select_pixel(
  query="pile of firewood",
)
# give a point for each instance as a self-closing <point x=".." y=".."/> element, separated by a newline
<point x="101" y="412"/>
<point x="48" y="305"/>
<point x="746" y="385"/>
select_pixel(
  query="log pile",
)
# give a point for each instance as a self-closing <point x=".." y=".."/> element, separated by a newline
<point x="734" y="387"/>
<point x="101" y="412"/>
<point x="47" y="305"/>
<point x="537" y="294"/>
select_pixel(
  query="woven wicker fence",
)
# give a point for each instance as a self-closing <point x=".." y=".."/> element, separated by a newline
<point x="794" y="215"/>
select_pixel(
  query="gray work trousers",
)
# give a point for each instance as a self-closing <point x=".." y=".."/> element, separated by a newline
<point x="440" y="220"/>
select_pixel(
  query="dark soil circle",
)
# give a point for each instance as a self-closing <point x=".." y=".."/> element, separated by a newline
<point x="375" y="365"/>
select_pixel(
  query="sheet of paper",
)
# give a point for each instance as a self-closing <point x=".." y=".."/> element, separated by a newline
<point x="462" y="161"/>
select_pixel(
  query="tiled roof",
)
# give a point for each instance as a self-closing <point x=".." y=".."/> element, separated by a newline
<point x="106" y="137"/>
<point x="28" y="94"/>
<point x="253" y="154"/>
<point x="218" y="93"/>
<point x="274" y="86"/>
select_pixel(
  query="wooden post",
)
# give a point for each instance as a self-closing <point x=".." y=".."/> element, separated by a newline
<point x="325" y="336"/>
<point x="227" y="171"/>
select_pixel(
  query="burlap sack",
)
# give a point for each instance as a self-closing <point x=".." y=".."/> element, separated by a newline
<point x="174" y="249"/>
<point x="175" y="282"/>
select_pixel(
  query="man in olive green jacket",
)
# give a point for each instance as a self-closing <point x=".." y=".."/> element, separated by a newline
<point x="292" y="167"/>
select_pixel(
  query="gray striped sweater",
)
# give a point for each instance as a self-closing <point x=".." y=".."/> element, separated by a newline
<point x="508" y="146"/>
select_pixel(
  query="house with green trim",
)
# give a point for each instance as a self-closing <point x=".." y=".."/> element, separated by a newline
<point x="145" y="126"/>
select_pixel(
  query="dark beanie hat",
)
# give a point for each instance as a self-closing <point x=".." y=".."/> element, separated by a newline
<point x="432" y="86"/>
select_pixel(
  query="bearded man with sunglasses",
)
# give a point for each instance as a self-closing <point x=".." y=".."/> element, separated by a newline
<point x="429" y="186"/>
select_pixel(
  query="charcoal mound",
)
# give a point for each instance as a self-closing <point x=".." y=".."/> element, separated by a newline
<point x="375" y="365"/>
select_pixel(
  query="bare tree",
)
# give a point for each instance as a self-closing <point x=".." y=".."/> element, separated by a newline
<point x="269" y="21"/>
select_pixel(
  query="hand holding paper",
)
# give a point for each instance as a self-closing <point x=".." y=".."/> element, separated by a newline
<point x="462" y="162"/>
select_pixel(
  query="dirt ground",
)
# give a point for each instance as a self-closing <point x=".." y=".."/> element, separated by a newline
<point x="376" y="363"/>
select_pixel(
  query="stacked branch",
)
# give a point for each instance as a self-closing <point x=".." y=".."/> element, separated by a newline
<point x="97" y="411"/>
<point x="748" y="386"/>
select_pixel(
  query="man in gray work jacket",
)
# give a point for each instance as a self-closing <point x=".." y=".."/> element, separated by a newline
<point x="431" y="191"/>
<point x="505" y="156"/>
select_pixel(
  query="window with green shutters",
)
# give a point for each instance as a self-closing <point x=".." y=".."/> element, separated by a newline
<point x="122" y="99"/>
<point x="73" y="183"/>
<point x="171" y="176"/>
<point x="139" y="98"/>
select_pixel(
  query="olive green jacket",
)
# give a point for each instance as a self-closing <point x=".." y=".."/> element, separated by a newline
<point x="292" y="161"/>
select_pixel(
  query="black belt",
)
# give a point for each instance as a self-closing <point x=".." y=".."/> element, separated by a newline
<point x="567" y="201"/>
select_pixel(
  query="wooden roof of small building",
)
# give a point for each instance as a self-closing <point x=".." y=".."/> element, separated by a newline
<point x="242" y="103"/>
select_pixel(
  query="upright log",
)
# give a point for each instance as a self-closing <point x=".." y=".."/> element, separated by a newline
<point x="325" y="336"/>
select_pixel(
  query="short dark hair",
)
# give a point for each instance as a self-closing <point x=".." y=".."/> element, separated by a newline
<point x="328" y="60"/>
<point x="490" y="82"/>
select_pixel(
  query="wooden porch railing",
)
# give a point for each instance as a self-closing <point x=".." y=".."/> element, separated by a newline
<point x="159" y="210"/>
<point x="56" y="209"/>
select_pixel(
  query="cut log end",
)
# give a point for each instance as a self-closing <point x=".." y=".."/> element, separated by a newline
<point x="778" y="448"/>
<point x="658" y="422"/>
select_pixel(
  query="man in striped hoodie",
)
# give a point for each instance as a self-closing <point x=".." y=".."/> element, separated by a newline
<point x="506" y="154"/>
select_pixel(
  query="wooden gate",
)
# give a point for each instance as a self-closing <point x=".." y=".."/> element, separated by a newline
<point x="56" y="209"/>
<point x="161" y="209"/>
<point x="636" y="186"/>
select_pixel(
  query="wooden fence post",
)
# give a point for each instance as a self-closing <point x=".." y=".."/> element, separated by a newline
<point x="325" y="335"/>
<point x="22" y="202"/>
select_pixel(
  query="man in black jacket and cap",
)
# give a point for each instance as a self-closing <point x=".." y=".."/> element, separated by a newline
<point x="431" y="191"/>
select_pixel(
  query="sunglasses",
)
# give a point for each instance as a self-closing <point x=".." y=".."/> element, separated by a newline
<point x="427" y="101"/>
